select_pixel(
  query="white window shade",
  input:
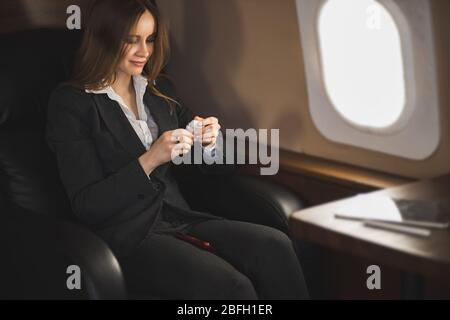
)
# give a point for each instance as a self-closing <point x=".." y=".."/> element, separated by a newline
<point x="371" y="76"/>
<point x="362" y="62"/>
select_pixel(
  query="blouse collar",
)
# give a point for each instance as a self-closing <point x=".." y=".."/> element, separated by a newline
<point x="140" y="84"/>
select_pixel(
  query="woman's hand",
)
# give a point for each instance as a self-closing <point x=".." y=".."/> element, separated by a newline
<point x="169" y="145"/>
<point x="210" y="129"/>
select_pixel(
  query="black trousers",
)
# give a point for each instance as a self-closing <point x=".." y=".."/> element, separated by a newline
<point x="250" y="262"/>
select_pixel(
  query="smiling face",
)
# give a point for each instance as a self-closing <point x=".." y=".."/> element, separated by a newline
<point x="139" y="45"/>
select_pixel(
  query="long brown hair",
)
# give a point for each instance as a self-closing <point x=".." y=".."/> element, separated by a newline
<point x="103" y="45"/>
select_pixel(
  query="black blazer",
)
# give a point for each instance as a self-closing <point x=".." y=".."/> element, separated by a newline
<point x="97" y="153"/>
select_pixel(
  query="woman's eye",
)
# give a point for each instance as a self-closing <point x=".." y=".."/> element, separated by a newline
<point x="135" y="39"/>
<point x="131" y="40"/>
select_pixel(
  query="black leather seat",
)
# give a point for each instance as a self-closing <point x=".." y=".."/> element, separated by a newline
<point x="39" y="236"/>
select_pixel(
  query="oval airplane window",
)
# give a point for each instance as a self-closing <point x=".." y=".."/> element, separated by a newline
<point x="362" y="62"/>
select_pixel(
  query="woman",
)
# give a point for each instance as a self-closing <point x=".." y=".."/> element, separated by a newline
<point x="114" y="127"/>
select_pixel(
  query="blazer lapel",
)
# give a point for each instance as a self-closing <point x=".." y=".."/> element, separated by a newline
<point x="119" y="125"/>
<point x="160" y="112"/>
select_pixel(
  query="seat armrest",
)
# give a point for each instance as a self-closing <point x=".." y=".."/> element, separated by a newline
<point x="241" y="198"/>
<point x="37" y="250"/>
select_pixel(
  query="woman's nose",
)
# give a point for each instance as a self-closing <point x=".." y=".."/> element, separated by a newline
<point x="143" y="50"/>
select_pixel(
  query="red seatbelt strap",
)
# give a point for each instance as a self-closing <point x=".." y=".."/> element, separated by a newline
<point x="195" y="241"/>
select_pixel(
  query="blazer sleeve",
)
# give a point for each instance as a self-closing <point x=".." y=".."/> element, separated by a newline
<point x="184" y="116"/>
<point x="94" y="196"/>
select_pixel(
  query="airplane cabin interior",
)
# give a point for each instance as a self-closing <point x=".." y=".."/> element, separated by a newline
<point x="332" y="118"/>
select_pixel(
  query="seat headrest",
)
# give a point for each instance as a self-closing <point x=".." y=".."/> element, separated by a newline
<point x="32" y="63"/>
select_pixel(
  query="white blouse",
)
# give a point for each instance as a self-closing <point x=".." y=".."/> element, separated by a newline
<point x="145" y="127"/>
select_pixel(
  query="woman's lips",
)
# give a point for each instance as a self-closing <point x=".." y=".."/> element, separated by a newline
<point x="139" y="63"/>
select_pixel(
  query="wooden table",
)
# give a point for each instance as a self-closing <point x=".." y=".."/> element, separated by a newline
<point x="415" y="255"/>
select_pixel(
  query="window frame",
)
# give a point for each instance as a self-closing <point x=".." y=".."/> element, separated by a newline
<point x="421" y="111"/>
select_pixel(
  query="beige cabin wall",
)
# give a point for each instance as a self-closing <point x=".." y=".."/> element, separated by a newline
<point x="241" y="60"/>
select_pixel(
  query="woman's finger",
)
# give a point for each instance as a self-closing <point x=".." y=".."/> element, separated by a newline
<point x="213" y="127"/>
<point x="209" y="135"/>
<point x="210" y="120"/>
<point x="185" y="139"/>
<point x="209" y="140"/>
<point x="178" y="133"/>
<point x="184" y="132"/>
<point x="181" y="148"/>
